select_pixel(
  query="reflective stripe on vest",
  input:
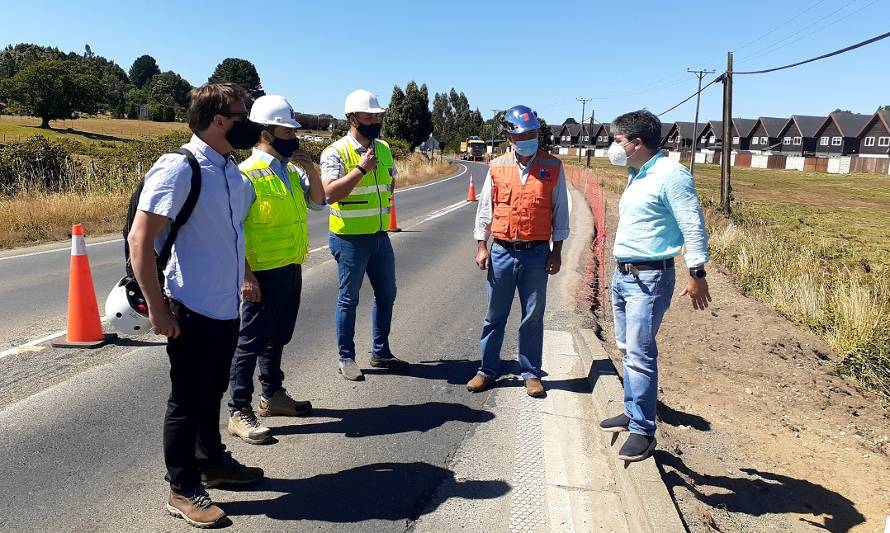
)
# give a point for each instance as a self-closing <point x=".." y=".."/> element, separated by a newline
<point x="276" y="233"/>
<point x="366" y="209"/>
<point x="523" y="212"/>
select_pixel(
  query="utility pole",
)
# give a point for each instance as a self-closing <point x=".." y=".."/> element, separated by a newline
<point x="581" y="133"/>
<point x="701" y="74"/>
<point x="725" y="159"/>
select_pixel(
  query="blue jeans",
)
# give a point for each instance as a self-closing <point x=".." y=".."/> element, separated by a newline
<point x="510" y="270"/>
<point x="638" y="305"/>
<point x="357" y="255"/>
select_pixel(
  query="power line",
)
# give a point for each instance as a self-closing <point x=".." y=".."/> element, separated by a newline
<point x="693" y="95"/>
<point x="823" y="56"/>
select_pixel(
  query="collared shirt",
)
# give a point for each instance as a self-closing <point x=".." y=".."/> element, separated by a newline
<point x="280" y="170"/>
<point x="332" y="164"/>
<point x="560" y="217"/>
<point x="206" y="266"/>
<point x="659" y="212"/>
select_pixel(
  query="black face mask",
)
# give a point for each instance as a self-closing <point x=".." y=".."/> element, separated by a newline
<point x="244" y="134"/>
<point x="369" y="131"/>
<point x="286" y="147"/>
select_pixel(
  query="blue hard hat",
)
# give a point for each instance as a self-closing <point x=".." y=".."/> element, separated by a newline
<point x="520" y="119"/>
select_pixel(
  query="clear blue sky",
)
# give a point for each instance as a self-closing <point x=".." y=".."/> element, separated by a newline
<point x="542" y="54"/>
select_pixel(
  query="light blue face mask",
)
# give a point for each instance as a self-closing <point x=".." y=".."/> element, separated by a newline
<point x="526" y="148"/>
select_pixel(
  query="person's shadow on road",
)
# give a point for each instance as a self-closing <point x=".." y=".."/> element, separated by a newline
<point x="388" y="420"/>
<point x="767" y="493"/>
<point x="381" y="491"/>
<point x="452" y="371"/>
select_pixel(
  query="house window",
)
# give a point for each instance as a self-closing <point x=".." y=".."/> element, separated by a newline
<point x="884" y="141"/>
<point x="764" y="141"/>
<point x="823" y="141"/>
<point x="869" y="141"/>
<point x="835" y="141"/>
<point x="786" y="141"/>
<point x="735" y="140"/>
<point x="713" y="138"/>
<point x="755" y="140"/>
<point x="797" y="141"/>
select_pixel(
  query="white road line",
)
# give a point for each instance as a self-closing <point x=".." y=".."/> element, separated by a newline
<point x="444" y="211"/>
<point x="32" y="346"/>
<point x="65" y="249"/>
<point x="459" y="174"/>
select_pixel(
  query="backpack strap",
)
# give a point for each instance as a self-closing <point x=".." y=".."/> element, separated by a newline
<point x="187" y="208"/>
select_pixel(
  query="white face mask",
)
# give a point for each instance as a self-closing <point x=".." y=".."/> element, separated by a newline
<point x="617" y="155"/>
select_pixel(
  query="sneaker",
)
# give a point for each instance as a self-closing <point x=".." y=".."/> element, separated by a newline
<point x="535" y="388"/>
<point x="480" y="383"/>
<point x="243" y="424"/>
<point x="230" y="472"/>
<point x="616" y="424"/>
<point x="281" y="404"/>
<point x="390" y="363"/>
<point x="636" y="448"/>
<point x="197" y="510"/>
<point x="350" y="370"/>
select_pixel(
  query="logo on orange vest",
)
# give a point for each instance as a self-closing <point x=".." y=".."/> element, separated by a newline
<point x="545" y="174"/>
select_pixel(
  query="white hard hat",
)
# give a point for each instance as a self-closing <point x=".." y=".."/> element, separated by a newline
<point x="273" y="110"/>
<point x="125" y="308"/>
<point x="362" y="101"/>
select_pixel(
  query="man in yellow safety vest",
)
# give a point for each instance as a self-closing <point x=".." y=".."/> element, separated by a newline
<point x="276" y="235"/>
<point x="358" y="173"/>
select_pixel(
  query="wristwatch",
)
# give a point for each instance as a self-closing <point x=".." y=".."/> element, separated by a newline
<point x="698" y="272"/>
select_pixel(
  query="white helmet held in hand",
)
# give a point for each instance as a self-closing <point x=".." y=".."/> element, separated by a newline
<point x="362" y="101"/>
<point x="273" y="110"/>
<point x="126" y="309"/>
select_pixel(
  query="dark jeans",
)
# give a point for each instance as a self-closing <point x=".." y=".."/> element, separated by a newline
<point x="356" y="256"/>
<point x="199" y="374"/>
<point x="266" y="327"/>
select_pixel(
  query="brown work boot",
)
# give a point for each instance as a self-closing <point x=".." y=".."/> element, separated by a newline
<point x="228" y="471"/>
<point x="479" y="383"/>
<point x="197" y="510"/>
<point x="243" y="424"/>
<point x="281" y="404"/>
<point x="535" y="388"/>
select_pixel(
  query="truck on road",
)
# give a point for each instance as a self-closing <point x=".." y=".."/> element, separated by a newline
<point x="473" y="149"/>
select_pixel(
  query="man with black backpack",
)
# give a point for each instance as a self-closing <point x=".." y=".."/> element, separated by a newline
<point x="197" y="307"/>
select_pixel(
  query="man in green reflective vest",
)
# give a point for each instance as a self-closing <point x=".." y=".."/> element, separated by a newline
<point x="276" y="235"/>
<point x="358" y="173"/>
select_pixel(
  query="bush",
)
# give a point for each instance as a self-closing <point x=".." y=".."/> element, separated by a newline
<point x="313" y="148"/>
<point x="35" y="161"/>
<point x="399" y="147"/>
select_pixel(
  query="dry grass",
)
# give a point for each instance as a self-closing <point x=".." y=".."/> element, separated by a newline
<point x="813" y="246"/>
<point x="98" y="129"/>
<point x="416" y="169"/>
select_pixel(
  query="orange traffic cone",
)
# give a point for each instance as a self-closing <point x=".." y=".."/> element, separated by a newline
<point x="393" y="217"/>
<point x="471" y="194"/>
<point x="84" y="326"/>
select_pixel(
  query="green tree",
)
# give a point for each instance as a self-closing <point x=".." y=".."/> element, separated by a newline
<point x="441" y="117"/>
<point x="242" y="72"/>
<point x="172" y="85"/>
<point x="408" y="116"/>
<point x="53" y="89"/>
<point x="545" y="135"/>
<point x="144" y="68"/>
<point x="15" y="58"/>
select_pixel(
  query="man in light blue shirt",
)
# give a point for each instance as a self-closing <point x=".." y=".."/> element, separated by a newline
<point x="659" y="214"/>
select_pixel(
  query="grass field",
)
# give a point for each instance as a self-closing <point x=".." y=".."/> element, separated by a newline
<point x="814" y="246"/>
<point x="13" y="128"/>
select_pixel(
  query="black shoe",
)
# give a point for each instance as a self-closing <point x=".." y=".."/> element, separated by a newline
<point x="390" y="363"/>
<point x="636" y="448"/>
<point x="229" y="472"/>
<point x="616" y="424"/>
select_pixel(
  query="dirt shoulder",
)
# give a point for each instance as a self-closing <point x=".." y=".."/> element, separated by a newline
<point x="757" y="432"/>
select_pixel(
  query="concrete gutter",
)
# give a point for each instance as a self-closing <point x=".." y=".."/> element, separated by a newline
<point x="647" y="503"/>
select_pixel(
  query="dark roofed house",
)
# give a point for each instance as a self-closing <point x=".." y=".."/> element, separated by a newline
<point x="875" y="136"/>
<point x="679" y="136"/>
<point x="742" y="129"/>
<point x="711" y="136"/>
<point x="799" y="135"/>
<point x="838" y="135"/>
<point x="567" y="133"/>
<point x="666" y="128"/>
<point x="765" y="136"/>
<point x="602" y="135"/>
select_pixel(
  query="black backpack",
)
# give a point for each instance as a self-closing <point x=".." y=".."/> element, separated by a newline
<point x="181" y="218"/>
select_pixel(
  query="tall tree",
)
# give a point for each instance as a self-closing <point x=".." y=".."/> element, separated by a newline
<point x="408" y="116"/>
<point x="441" y="117"/>
<point x="545" y="135"/>
<point x="242" y="72"/>
<point x="53" y="89"/>
<point x="143" y="70"/>
<point x="170" y="85"/>
<point x="395" y="120"/>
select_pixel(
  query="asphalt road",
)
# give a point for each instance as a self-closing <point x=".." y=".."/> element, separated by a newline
<point x="84" y="454"/>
